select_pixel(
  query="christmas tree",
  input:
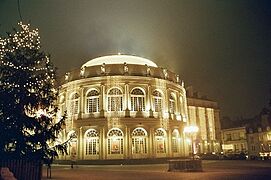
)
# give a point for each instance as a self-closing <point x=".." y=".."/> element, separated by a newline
<point x="29" y="125"/>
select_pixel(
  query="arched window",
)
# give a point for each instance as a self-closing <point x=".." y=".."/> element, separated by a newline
<point x="72" y="146"/>
<point x="115" y="141"/>
<point x="74" y="104"/>
<point x="92" y="142"/>
<point x="115" y="100"/>
<point x="92" y="100"/>
<point x="174" y="141"/>
<point x="137" y="100"/>
<point x="157" y="101"/>
<point x="172" y="104"/>
<point x="160" y="140"/>
<point x="139" y="141"/>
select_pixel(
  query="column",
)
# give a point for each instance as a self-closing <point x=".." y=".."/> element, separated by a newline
<point x="149" y="101"/>
<point x="169" y="143"/>
<point x="102" y="101"/>
<point x="151" y="143"/>
<point x="127" y="100"/>
<point x="101" y="143"/>
<point x="80" y="145"/>
<point x="82" y="103"/>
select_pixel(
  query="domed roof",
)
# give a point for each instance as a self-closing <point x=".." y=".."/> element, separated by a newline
<point x="119" y="59"/>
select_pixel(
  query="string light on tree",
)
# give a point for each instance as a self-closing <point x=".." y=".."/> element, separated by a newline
<point x="27" y="96"/>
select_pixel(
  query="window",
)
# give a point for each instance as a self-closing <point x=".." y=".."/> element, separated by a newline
<point x="92" y="101"/>
<point x="172" y="104"/>
<point x="160" y="141"/>
<point x="242" y="135"/>
<point x="137" y="100"/>
<point x="139" y="141"/>
<point x="269" y="136"/>
<point x="157" y="101"/>
<point x="243" y="147"/>
<point x="115" y="100"/>
<point x="175" y="136"/>
<point x="115" y="141"/>
<point x="74" y="104"/>
<point x="228" y="137"/>
<point x="92" y="142"/>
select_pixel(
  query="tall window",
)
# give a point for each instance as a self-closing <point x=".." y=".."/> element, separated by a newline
<point x="115" y="100"/>
<point x="92" y="142"/>
<point x="175" y="136"/>
<point x="139" y="141"/>
<point x="115" y="141"/>
<point x="74" y="104"/>
<point x="172" y="104"/>
<point x="137" y="100"/>
<point x="157" y="101"/>
<point x="160" y="141"/>
<point x="92" y="101"/>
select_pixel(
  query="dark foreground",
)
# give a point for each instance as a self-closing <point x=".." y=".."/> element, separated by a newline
<point x="229" y="169"/>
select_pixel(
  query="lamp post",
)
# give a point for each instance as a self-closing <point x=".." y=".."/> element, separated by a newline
<point x="191" y="130"/>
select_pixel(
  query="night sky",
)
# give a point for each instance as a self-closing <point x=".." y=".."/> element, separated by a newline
<point x="222" y="48"/>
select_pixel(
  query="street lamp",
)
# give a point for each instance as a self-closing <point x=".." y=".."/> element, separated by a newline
<point x="191" y="130"/>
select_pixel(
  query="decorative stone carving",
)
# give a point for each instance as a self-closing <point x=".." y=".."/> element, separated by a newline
<point x="103" y="68"/>
<point x="67" y="75"/>
<point x="125" y="68"/>
<point x="165" y="73"/>
<point x="82" y="71"/>
<point x="148" y="70"/>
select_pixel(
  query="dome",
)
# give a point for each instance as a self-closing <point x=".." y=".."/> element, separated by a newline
<point x="119" y="59"/>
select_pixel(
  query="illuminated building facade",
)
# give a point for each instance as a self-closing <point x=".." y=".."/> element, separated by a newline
<point x="234" y="140"/>
<point x="204" y="113"/>
<point x="123" y="107"/>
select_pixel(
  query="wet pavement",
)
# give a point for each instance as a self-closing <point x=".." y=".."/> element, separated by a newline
<point x="227" y="169"/>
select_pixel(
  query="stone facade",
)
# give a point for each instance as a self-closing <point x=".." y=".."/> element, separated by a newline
<point x="125" y="110"/>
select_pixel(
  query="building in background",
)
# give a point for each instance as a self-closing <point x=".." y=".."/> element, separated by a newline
<point x="259" y="137"/>
<point x="204" y="113"/>
<point x="126" y="107"/>
<point x="234" y="140"/>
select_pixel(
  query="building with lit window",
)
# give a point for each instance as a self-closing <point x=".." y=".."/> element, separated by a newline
<point x="204" y="113"/>
<point x="234" y="140"/>
<point x="124" y="107"/>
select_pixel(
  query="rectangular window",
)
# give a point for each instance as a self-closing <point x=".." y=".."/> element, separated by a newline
<point x="92" y="105"/>
<point x="174" y="145"/>
<point x="157" y="105"/>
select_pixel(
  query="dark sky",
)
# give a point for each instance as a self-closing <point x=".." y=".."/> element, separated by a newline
<point x="222" y="48"/>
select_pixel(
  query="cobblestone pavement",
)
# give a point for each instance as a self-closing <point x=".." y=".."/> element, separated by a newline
<point x="211" y="170"/>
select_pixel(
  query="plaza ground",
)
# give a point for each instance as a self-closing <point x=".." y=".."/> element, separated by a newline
<point x="227" y="169"/>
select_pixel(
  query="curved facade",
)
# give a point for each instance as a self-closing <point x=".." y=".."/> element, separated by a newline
<point x="123" y="111"/>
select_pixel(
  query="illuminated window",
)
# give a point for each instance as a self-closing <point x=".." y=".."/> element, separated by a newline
<point x="92" y="101"/>
<point x="92" y="142"/>
<point x="115" y="141"/>
<point x="74" y="104"/>
<point x="160" y="141"/>
<point x="139" y="141"/>
<point x="115" y="100"/>
<point x="137" y="100"/>
<point x="172" y="104"/>
<point x="175" y="137"/>
<point x="157" y="101"/>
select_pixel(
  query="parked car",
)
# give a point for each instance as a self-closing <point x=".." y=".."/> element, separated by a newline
<point x="209" y="156"/>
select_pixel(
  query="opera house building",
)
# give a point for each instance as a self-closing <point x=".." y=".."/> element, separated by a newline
<point x="126" y="107"/>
